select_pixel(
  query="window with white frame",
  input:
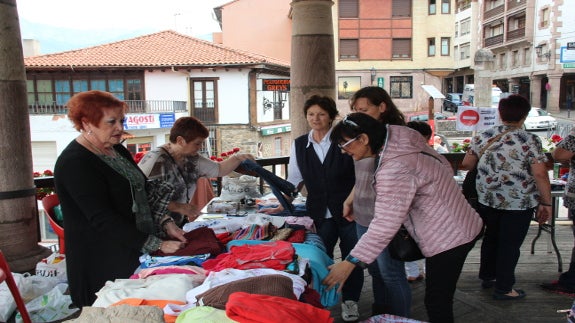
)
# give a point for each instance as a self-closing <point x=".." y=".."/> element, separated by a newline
<point x="464" y="50"/>
<point x="465" y="26"/>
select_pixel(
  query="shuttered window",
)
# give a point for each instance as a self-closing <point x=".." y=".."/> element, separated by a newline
<point x="401" y="8"/>
<point x="348" y="49"/>
<point x="348" y="9"/>
<point x="401" y="48"/>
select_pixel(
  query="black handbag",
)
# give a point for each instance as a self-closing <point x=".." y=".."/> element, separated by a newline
<point x="403" y="247"/>
<point x="469" y="187"/>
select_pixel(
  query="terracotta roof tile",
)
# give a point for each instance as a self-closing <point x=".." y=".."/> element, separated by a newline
<point x="163" y="49"/>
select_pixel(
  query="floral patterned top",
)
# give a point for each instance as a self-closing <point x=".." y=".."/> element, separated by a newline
<point x="568" y="143"/>
<point x="504" y="179"/>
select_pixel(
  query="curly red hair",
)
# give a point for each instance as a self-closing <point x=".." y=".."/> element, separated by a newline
<point x="88" y="106"/>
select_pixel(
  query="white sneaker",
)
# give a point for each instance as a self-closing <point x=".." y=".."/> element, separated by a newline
<point x="349" y="311"/>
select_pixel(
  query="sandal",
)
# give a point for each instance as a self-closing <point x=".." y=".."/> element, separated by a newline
<point x="501" y="296"/>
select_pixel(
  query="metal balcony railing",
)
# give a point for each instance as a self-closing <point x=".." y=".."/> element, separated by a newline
<point x="134" y="106"/>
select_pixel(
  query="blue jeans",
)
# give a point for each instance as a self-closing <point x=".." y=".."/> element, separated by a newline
<point x="505" y="231"/>
<point x="390" y="286"/>
<point x="330" y="232"/>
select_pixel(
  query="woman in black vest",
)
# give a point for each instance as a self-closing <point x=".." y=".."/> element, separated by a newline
<point x="329" y="177"/>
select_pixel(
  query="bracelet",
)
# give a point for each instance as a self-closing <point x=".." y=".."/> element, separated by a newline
<point x="166" y="221"/>
<point x="544" y="204"/>
<point x="356" y="261"/>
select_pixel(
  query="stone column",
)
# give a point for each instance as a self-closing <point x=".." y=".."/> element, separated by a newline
<point x="553" y="105"/>
<point x="18" y="208"/>
<point x="312" y="57"/>
<point x="483" y="65"/>
<point x="535" y="88"/>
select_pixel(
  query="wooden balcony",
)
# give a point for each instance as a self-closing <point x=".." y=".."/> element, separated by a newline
<point x="491" y="41"/>
<point x="515" y="34"/>
<point x="134" y="106"/>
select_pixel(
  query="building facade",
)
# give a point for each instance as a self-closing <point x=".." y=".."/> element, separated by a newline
<point x="241" y="97"/>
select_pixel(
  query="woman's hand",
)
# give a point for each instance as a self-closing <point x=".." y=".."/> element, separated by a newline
<point x="271" y="210"/>
<point x="348" y="210"/>
<point x="338" y="274"/>
<point x="190" y="211"/>
<point x="175" y="232"/>
<point x="171" y="246"/>
<point x="543" y="213"/>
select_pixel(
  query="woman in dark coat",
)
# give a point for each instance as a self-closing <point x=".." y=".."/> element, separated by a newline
<point x="108" y="223"/>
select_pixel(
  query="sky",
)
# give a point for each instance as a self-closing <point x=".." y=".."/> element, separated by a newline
<point x="62" y="25"/>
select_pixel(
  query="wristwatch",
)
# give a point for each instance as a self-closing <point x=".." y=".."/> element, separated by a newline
<point x="356" y="261"/>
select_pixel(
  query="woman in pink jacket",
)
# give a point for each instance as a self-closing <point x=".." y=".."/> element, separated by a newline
<point x="415" y="187"/>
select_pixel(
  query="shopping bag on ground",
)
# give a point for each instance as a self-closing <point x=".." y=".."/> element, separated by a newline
<point x="52" y="306"/>
<point x="53" y="266"/>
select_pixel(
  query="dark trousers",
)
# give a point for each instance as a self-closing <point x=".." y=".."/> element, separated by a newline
<point x="567" y="278"/>
<point x="505" y="231"/>
<point x="441" y="275"/>
<point x="330" y="232"/>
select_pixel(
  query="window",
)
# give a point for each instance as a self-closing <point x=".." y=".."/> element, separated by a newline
<point x="445" y="6"/>
<point x="515" y="58"/>
<point x="432" y="7"/>
<point x="517" y="23"/>
<point x="401" y="48"/>
<point x="348" y="9"/>
<point x="502" y="61"/>
<point x="526" y="56"/>
<point x="44" y="92"/>
<point x="62" y="88"/>
<point x="495" y="30"/>
<point x="57" y="89"/>
<point x="204" y="99"/>
<point x="464" y="50"/>
<point x="348" y="49"/>
<point x="401" y="87"/>
<point x="278" y="146"/>
<point x="401" y="8"/>
<point x="430" y="46"/>
<point x="544" y="16"/>
<point x="445" y="46"/>
<point x="465" y="26"/>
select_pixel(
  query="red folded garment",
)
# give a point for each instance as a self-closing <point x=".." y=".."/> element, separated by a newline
<point x="200" y="241"/>
<point x="254" y="308"/>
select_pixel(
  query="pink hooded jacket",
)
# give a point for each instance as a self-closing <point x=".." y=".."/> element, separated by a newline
<point x="414" y="186"/>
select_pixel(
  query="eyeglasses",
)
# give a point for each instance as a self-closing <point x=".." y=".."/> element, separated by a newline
<point x="342" y="146"/>
<point x="350" y="123"/>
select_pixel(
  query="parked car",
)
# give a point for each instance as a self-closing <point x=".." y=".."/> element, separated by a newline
<point x="424" y="116"/>
<point x="539" y="119"/>
<point x="451" y="102"/>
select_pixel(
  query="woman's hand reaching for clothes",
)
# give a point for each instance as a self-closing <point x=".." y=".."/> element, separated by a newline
<point x="190" y="211"/>
<point x="171" y="246"/>
<point x="338" y="274"/>
<point x="175" y="232"/>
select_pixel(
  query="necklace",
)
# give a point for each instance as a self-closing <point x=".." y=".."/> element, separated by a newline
<point x="112" y="152"/>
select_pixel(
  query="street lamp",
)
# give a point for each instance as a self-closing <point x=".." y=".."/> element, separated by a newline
<point x="540" y="53"/>
<point x="373" y="73"/>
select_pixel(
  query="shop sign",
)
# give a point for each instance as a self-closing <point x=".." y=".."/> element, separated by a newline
<point x="275" y="130"/>
<point x="569" y="65"/>
<point x="149" y="121"/>
<point x="276" y="85"/>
